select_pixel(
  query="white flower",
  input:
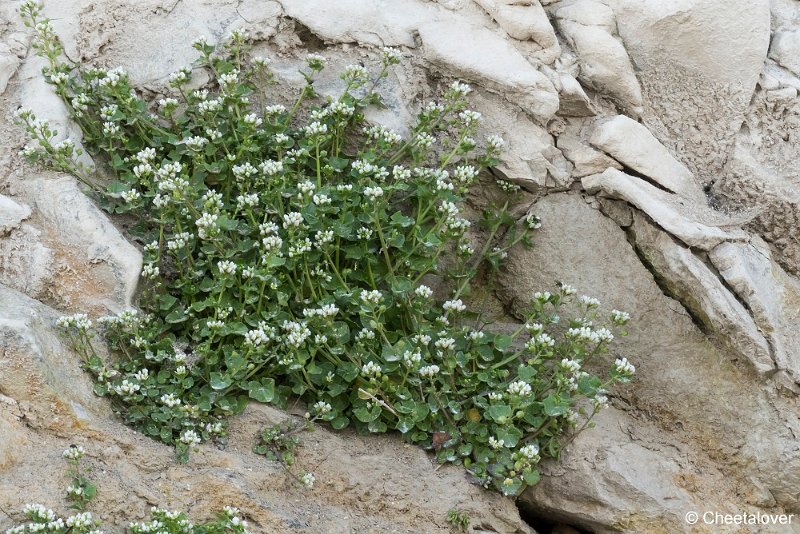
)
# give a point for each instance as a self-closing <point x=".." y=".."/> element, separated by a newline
<point x="322" y="407"/>
<point x="292" y="220"/>
<point x="246" y="201"/>
<point x="126" y="388"/>
<point x="142" y="375"/>
<point x="371" y="369"/>
<point x="391" y="55"/>
<point x="572" y="366"/>
<point x="460" y="89"/>
<point x="496" y="443"/>
<point x="253" y="120"/>
<point x="110" y="128"/>
<point x="519" y="388"/>
<point x="624" y="367"/>
<point x="429" y="371"/>
<point x="567" y="290"/>
<point x="195" y="143"/>
<point x="308" y="480"/>
<point x="364" y="233"/>
<point x="206" y="224"/>
<point x="371" y="297"/>
<point x="229" y="78"/>
<point x="589" y="302"/>
<point x="190" y="437"/>
<point x="373" y="193"/>
<point x="226" y="267"/>
<point x="321" y="200"/>
<point x="533" y="222"/>
<point x="316" y="61"/>
<point x="424" y="292"/>
<point x="316" y="129"/>
<point x="445" y="343"/>
<point x="355" y="73"/>
<point x="620" y="317"/>
<point x="131" y="195"/>
<point x="245" y="170"/>
<point x="210" y="106"/>
<point x="74" y="452"/>
<point x="530" y="451"/>
<point x="275" y="109"/>
<point x="469" y="117"/>
<point x="495" y="143"/>
<point x="170" y="400"/>
<point x="150" y="270"/>
<point x="411" y="359"/>
<point x="424" y="140"/>
<point x="324" y="237"/>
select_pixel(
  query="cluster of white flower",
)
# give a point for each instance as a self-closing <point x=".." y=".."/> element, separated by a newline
<point x="170" y="400"/>
<point x="227" y="267"/>
<point x="530" y="451"/>
<point x="371" y="369"/>
<point x="589" y="302"/>
<point x="292" y="219"/>
<point x="454" y="306"/>
<point x="272" y="243"/>
<point x="308" y="480"/>
<point x="365" y="168"/>
<point x="620" y="317"/>
<point x="316" y="129"/>
<point x="365" y="334"/>
<point x="383" y="134"/>
<point x="371" y="297"/>
<point x="322" y="407"/>
<point x="126" y="388"/>
<point x="373" y="193"/>
<point x="150" y="270"/>
<point x="326" y="311"/>
<point x="206" y="225"/>
<point x="209" y="106"/>
<point x="228" y="79"/>
<point x="459" y="89"/>
<point x="412" y="359"/>
<point x="429" y="371"/>
<point x="179" y="77"/>
<point x="624" y="367"/>
<point x="588" y="335"/>
<point x="79" y="321"/>
<point x="519" y="388"/>
<point x="424" y="140"/>
<point x="495" y="143"/>
<point x="496" y="443"/>
<point x="572" y="366"/>
<point x="364" y="233"/>
<point x="469" y="117"/>
<point x="274" y="109"/>
<point x="539" y="342"/>
<point x="316" y="61"/>
<point x="445" y="343"/>
<point x="190" y="438"/>
<point x="74" y="453"/>
<point x="532" y="221"/>
<point x="178" y="241"/>
<point x="296" y="333"/>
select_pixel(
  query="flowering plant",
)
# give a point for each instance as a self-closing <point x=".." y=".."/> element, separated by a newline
<point x="299" y="251"/>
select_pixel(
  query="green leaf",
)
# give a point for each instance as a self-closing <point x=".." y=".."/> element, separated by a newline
<point x="165" y="302"/>
<point x="366" y="415"/>
<point x="263" y="390"/>
<point x="401" y="285"/>
<point x="220" y="381"/>
<point x="555" y="406"/>
<point x="499" y="412"/>
<point x="340" y="422"/>
<point x="177" y="316"/>
<point x="402" y="220"/>
<point x="531" y="477"/>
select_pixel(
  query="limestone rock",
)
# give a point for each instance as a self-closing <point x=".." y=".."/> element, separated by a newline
<point x="762" y="185"/>
<point x="96" y="265"/>
<point x="589" y="27"/>
<point x="785" y="49"/>
<point x="11" y="214"/>
<point x="384" y="23"/>
<point x="692" y="283"/>
<point x="770" y="294"/>
<point x="587" y="161"/>
<point x="661" y="207"/>
<point x="9" y="63"/>
<point x="574" y="102"/>
<point x="698" y="63"/>
<point x="632" y="144"/>
<point x="523" y="21"/>
<point x="690" y="390"/>
<point x="608" y="481"/>
<point x="494" y="63"/>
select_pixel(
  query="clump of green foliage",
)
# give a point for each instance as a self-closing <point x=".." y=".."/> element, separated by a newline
<point x="458" y="520"/>
<point x="289" y="252"/>
<point x="43" y="520"/>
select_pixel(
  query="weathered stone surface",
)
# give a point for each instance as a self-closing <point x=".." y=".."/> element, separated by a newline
<point x="692" y="392"/>
<point x="589" y="28"/>
<point x="494" y="63"/>
<point x="688" y="280"/>
<point x="632" y="144"/>
<point x="587" y="161"/>
<point x="772" y="297"/>
<point x="785" y="49"/>
<point x="698" y="63"/>
<point x="94" y="264"/>
<point x="385" y="22"/>
<point x="11" y="214"/>
<point x="661" y="207"/>
<point x="523" y="21"/>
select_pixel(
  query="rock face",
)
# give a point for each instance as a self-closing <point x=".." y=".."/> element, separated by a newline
<point x="658" y="140"/>
<point x="698" y="63"/>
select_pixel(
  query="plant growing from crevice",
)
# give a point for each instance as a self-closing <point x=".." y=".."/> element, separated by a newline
<point x="291" y="252"/>
<point x="43" y="520"/>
